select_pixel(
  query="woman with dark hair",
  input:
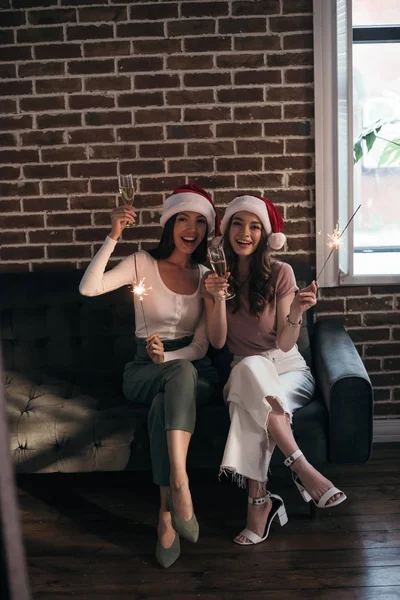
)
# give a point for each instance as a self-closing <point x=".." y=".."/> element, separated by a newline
<point x="269" y="379"/>
<point x="171" y="343"/>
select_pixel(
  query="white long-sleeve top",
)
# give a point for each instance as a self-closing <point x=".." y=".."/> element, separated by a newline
<point x="170" y="315"/>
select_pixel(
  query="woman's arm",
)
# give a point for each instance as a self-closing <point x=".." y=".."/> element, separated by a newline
<point x="197" y="348"/>
<point x="290" y="311"/>
<point x="216" y="309"/>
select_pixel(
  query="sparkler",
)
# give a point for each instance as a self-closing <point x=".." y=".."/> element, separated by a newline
<point x="139" y="290"/>
<point x="335" y="239"/>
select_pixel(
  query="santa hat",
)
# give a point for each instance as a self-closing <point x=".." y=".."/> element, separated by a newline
<point x="191" y="197"/>
<point x="265" y="210"/>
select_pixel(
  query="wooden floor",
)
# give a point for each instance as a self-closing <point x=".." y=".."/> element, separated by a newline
<point x="93" y="537"/>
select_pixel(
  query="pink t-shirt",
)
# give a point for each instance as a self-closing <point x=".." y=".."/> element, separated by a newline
<point x="246" y="334"/>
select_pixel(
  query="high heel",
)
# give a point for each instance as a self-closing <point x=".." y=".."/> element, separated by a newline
<point x="323" y="502"/>
<point x="277" y="513"/>
<point x="189" y="530"/>
<point x="167" y="556"/>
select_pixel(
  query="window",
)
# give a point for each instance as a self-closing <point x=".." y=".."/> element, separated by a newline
<point x="357" y="82"/>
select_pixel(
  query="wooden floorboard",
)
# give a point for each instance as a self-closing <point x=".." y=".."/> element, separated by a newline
<point x="93" y="537"/>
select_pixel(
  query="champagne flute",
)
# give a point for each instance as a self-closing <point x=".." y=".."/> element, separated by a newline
<point x="127" y="190"/>
<point x="217" y="259"/>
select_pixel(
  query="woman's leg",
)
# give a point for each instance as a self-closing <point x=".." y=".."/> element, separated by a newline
<point x="279" y="429"/>
<point x="257" y="515"/>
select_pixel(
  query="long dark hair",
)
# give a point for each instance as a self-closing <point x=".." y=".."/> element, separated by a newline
<point x="166" y="244"/>
<point x="261" y="290"/>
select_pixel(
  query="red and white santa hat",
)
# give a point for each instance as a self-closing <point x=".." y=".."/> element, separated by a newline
<point x="265" y="210"/>
<point x="191" y="197"/>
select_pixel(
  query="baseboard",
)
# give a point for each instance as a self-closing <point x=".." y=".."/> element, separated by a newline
<point x="386" y="430"/>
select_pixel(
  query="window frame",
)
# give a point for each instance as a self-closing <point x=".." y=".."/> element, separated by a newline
<point x="330" y="176"/>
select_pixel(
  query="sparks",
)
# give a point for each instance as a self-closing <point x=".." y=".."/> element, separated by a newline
<point x="335" y="238"/>
<point x="140" y="290"/>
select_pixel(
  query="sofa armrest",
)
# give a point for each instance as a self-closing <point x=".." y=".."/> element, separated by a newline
<point x="346" y="391"/>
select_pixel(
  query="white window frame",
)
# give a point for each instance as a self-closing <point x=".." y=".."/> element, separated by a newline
<point x="333" y="86"/>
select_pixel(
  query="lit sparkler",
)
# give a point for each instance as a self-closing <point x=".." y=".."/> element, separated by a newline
<point x="139" y="290"/>
<point x="335" y="239"/>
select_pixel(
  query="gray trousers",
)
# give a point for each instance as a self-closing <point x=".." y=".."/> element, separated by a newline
<point x="170" y="392"/>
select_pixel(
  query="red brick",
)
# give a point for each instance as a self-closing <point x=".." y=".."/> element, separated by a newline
<point x="10" y="267"/>
<point x="263" y="42"/>
<point x="133" y="30"/>
<point x="45" y="171"/>
<point x="396" y="333"/>
<point x="160" y="184"/>
<point x="52" y="236"/>
<point x="15" y="88"/>
<point x="113" y="152"/>
<point x="44" y="204"/>
<point x="54" y="265"/>
<point x="297" y="6"/>
<point x="237" y="61"/>
<point x="34" y="35"/>
<point x="388" y="349"/>
<point x="157" y="115"/>
<point x="153" y="11"/>
<point x="59" y="121"/>
<point x="286" y="196"/>
<point x="27" y="188"/>
<point x="140" y="134"/>
<point x="92" y="234"/>
<point x="16" y="53"/>
<point x="8" y="71"/>
<point x="93" y="119"/>
<point x="257" y="7"/>
<point x="13" y="237"/>
<point x="386" y="408"/>
<point x="371" y="364"/>
<point x="90" y="67"/>
<point x="93" y="84"/>
<point x="21" y="221"/>
<point x="86" y="32"/>
<point x="92" y="203"/>
<point x="84" y="101"/>
<point x="147" y="200"/>
<point x="7" y="206"/>
<point x="55" y="86"/>
<point x="69" y="219"/>
<point x="6" y="36"/>
<point x="301" y="179"/>
<point x="258" y="113"/>
<point x="239" y="163"/>
<point x="388" y="379"/>
<point x="150" y="217"/>
<point x="38" y="69"/>
<point x="305" y="146"/>
<point x="102" y="13"/>
<point x="42" y="104"/>
<point x="199" y="165"/>
<point x="156" y="81"/>
<point x="191" y="27"/>
<point x="287" y="128"/>
<point x="18" y="156"/>
<point x="218" y="113"/>
<point x="161" y="150"/>
<point x="259" y="146"/>
<point x="188" y="131"/>
<point x="21" y="252"/>
<point x="247" y="25"/>
<point x="391" y="364"/>
<point x="103" y="186"/>
<point x="286" y="24"/>
<point x="69" y="251"/>
<point x="370" y="304"/>
<point x="344" y="291"/>
<point x="303" y="244"/>
<point x="214" y="44"/>
<point x="206" y="79"/>
<point x="91" y="136"/>
<point x="258" y="77"/>
<point x="334" y="305"/>
<point x="210" y="148"/>
<point x="143" y="167"/>
<point x="65" y="154"/>
<point x="144" y="99"/>
<point x="239" y="130"/>
<point x="290" y="94"/>
<point x="161" y="46"/>
<point x="190" y="63"/>
<point x="42" y="138"/>
<point x="65" y="187"/>
<point x="372" y="319"/>
<point x="212" y="182"/>
<point x="282" y="163"/>
<point x="204" y="9"/>
<point x="299" y="212"/>
<point x="299" y="76"/>
<point x="52" y="51"/>
<point x="49" y="17"/>
<point x="125" y="249"/>
<point x="241" y="95"/>
<point x="12" y="18"/>
<point x="113" y="48"/>
<point x="298" y="41"/>
<point x="181" y="97"/>
<point x="298" y="111"/>
<point x="257" y="180"/>
<point x="142" y="63"/>
<point x="94" y="169"/>
<point x="290" y="59"/>
<point x="7" y="173"/>
<point x="385" y="289"/>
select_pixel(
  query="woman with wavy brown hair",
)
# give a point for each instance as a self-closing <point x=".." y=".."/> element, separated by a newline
<point x="269" y="379"/>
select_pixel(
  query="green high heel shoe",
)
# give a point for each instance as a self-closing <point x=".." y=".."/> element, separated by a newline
<point x="189" y="530"/>
<point x="167" y="556"/>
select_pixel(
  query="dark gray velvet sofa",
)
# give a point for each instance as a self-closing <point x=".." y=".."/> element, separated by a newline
<point x="64" y="356"/>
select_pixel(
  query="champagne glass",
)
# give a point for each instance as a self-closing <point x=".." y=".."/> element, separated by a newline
<point x="217" y="259"/>
<point x="127" y="190"/>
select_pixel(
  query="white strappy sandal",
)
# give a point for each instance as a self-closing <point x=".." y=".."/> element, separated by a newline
<point x="277" y="512"/>
<point x="323" y="501"/>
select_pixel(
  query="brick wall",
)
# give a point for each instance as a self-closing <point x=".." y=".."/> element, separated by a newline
<point x="219" y="93"/>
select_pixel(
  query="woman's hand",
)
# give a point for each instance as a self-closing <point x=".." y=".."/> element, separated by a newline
<point x="155" y="348"/>
<point x="216" y="285"/>
<point x="119" y="218"/>
<point x="303" y="300"/>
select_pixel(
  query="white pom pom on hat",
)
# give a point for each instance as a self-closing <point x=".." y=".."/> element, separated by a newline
<point x="265" y="210"/>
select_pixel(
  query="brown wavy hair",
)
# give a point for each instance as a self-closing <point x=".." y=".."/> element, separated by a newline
<point x="261" y="290"/>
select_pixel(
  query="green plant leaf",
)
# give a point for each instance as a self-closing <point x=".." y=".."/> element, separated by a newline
<point x="358" y="151"/>
<point x="370" y="140"/>
<point x="390" y="154"/>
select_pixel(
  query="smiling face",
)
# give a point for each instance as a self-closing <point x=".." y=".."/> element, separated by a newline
<point x="189" y="231"/>
<point x="245" y="233"/>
